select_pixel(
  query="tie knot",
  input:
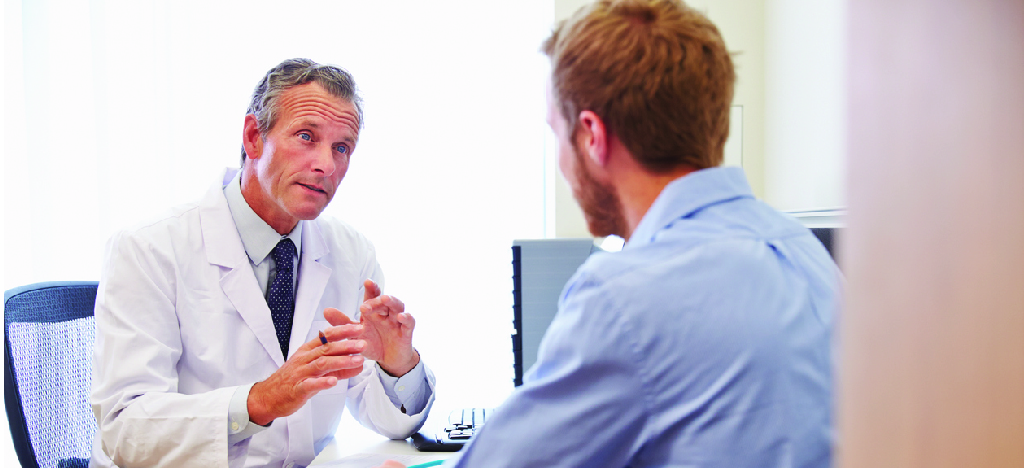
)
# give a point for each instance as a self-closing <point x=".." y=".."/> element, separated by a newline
<point x="284" y="251"/>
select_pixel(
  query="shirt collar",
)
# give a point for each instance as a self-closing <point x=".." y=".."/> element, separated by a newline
<point x="687" y="195"/>
<point x="258" y="237"/>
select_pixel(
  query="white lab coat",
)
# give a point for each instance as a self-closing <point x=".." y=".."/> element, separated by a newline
<point x="181" y="323"/>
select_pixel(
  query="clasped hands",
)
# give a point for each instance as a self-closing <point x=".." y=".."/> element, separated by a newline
<point x="383" y="334"/>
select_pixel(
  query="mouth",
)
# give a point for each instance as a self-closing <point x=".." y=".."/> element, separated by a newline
<point x="314" y="188"/>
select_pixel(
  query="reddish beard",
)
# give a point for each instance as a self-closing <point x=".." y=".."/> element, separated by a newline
<point x="601" y="206"/>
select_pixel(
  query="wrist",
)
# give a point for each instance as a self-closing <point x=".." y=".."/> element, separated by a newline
<point x="258" y="412"/>
<point x="402" y="366"/>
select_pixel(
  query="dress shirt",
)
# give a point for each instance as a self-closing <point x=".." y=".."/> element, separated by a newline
<point x="409" y="391"/>
<point x="705" y="342"/>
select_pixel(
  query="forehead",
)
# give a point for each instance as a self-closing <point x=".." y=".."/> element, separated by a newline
<point x="312" y="102"/>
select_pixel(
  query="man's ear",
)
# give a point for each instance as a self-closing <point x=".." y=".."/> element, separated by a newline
<point x="593" y="138"/>
<point x="252" y="139"/>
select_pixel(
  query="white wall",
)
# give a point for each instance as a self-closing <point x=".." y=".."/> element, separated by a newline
<point x="805" y="108"/>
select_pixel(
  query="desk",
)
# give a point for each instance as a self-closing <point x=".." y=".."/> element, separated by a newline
<point x="352" y="439"/>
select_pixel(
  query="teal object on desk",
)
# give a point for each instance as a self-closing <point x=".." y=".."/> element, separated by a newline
<point x="425" y="465"/>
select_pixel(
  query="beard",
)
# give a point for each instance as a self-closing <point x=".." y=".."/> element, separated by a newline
<point x="598" y="200"/>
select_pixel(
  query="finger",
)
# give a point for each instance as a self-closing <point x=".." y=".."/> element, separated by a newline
<point x="344" y="374"/>
<point x="382" y="306"/>
<point x="373" y="308"/>
<point x="341" y="348"/>
<point x="324" y="365"/>
<point x="407" y="320"/>
<point x="342" y="332"/>
<point x="338" y="333"/>
<point x="336" y="317"/>
<point x="391" y="464"/>
<point x="370" y="290"/>
<point x="315" y="385"/>
<point x="394" y="305"/>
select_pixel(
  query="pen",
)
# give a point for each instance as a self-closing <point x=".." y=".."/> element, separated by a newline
<point x="425" y="465"/>
<point x="323" y="338"/>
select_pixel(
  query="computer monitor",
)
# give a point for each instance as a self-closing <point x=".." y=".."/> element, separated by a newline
<point x="825" y="224"/>
<point x="541" y="268"/>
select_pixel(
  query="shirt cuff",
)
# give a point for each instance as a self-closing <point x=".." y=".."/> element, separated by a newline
<point x="239" y="426"/>
<point x="409" y="392"/>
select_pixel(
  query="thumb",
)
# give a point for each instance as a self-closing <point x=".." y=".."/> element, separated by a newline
<point x="336" y="317"/>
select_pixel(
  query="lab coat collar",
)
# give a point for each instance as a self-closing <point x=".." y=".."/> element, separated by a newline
<point x="223" y="247"/>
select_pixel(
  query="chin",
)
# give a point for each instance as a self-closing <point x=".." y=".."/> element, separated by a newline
<point x="308" y="213"/>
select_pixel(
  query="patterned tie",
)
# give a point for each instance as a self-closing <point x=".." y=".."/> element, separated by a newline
<point x="282" y="297"/>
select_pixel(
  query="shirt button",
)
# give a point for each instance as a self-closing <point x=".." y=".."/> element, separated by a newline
<point x="401" y="388"/>
<point x="234" y="426"/>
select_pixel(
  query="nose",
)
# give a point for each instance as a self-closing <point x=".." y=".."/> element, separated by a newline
<point x="323" y="160"/>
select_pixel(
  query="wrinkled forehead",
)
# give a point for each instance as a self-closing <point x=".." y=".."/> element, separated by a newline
<point x="312" y="102"/>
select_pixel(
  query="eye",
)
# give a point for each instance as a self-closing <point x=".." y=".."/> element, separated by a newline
<point x="306" y="136"/>
<point x="341" y="149"/>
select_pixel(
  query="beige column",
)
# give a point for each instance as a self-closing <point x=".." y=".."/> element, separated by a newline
<point x="932" y="354"/>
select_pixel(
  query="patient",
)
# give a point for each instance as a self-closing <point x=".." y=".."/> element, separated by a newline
<point x="707" y="340"/>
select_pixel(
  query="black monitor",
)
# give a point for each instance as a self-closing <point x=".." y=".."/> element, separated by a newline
<point x="540" y="269"/>
<point x="827" y="236"/>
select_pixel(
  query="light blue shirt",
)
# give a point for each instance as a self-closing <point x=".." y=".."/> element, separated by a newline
<point x="705" y="342"/>
<point x="409" y="391"/>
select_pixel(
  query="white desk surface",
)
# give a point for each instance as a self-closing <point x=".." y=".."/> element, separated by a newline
<point x="353" y="439"/>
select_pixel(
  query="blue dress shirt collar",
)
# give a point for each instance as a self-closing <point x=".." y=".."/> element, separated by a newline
<point x="687" y="195"/>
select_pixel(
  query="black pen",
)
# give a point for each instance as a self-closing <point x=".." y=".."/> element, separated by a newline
<point x="323" y="338"/>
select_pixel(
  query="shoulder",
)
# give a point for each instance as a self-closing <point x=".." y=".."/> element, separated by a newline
<point x="171" y="225"/>
<point x="664" y="282"/>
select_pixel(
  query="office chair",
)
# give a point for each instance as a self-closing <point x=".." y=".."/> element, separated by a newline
<point x="49" y="332"/>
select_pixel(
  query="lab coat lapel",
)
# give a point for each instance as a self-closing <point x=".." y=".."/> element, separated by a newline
<point x="224" y="248"/>
<point x="313" y="278"/>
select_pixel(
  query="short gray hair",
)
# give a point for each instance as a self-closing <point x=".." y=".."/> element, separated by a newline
<point x="295" y="72"/>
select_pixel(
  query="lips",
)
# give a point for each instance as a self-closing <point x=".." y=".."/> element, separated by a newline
<point x="314" y="188"/>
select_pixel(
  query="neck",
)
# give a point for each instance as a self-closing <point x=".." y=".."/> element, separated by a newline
<point x="637" y="189"/>
<point x="261" y="204"/>
<point x="637" y="198"/>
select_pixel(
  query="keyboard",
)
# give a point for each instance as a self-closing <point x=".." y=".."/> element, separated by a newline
<point x="462" y="424"/>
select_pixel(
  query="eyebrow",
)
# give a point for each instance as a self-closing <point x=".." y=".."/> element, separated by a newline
<point x="316" y="126"/>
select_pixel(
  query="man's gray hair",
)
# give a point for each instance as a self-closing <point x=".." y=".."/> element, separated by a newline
<point x="294" y="72"/>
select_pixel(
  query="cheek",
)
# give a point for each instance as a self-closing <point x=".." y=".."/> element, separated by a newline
<point x="340" y="169"/>
<point x="567" y="163"/>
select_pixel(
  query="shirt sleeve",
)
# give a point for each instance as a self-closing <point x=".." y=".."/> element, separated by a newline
<point x="409" y="392"/>
<point x="581" y="404"/>
<point x="239" y="425"/>
<point x="370" y="404"/>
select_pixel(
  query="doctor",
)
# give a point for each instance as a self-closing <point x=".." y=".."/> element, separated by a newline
<point x="208" y="348"/>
